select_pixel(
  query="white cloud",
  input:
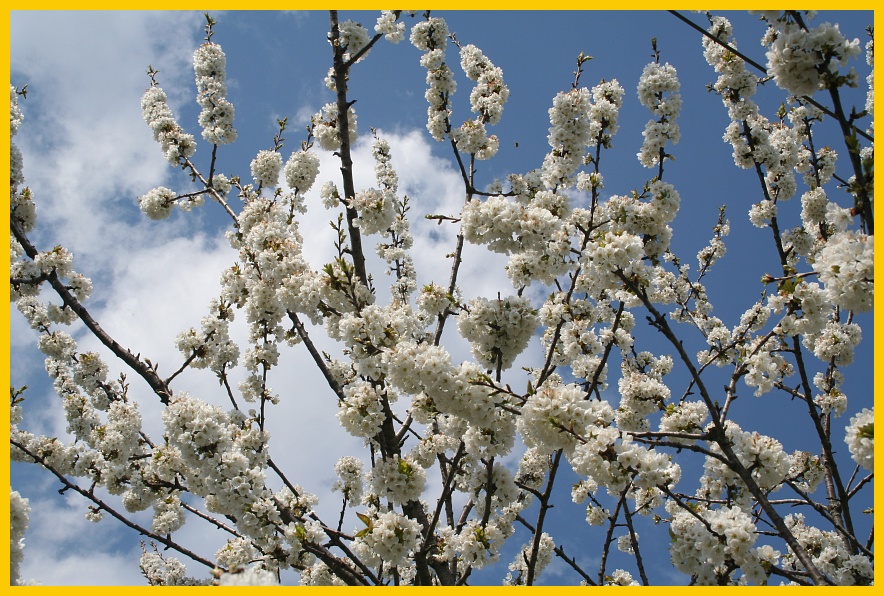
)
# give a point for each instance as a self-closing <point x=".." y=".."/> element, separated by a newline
<point x="85" y="568"/>
<point x="88" y="153"/>
<point x="63" y="548"/>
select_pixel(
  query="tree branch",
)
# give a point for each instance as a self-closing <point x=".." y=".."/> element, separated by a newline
<point x="145" y="371"/>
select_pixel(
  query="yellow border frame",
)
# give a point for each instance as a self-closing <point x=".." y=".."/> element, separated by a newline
<point x="878" y="341"/>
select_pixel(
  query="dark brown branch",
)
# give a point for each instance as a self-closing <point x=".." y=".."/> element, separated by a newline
<point x="340" y="74"/>
<point x="541" y="516"/>
<point x="633" y="538"/>
<point x="609" y="538"/>
<point x="317" y="357"/>
<point x="444" y="497"/>
<point x="144" y="370"/>
<point x="88" y="494"/>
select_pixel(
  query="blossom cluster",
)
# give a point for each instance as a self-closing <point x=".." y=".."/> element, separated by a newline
<point x="387" y="25"/>
<point x="163" y="571"/>
<point x="389" y="539"/>
<point x="176" y="143"/>
<point x="471" y="137"/>
<point x="398" y="480"/>
<point x="570" y="133"/>
<point x="490" y="92"/>
<point x="498" y="330"/>
<point x="19" y="510"/>
<point x="349" y="482"/>
<point x="301" y="170"/>
<point x="431" y="37"/>
<point x="845" y="266"/>
<point x="216" y="117"/>
<point x="764" y="456"/>
<point x="21" y="205"/>
<point x="266" y="167"/>
<point x="211" y="347"/>
<point x="828" y="554"/>
<point x="354" y="38"/>
<point x="326" y="127"/>
<point x="802" y="60"/>
<point x="474" y="545"/>
<point x="486" y="99"/>
<point x="519" y="566"/>
<point x="658" y="91"/>
<point x="861" y="438"/>
<point x="158" y="202"/>
<point x="725" y="536"/>
<point x="253" y="576"/>
<point x="642" y="390"/>
<point x="377" y="207"/>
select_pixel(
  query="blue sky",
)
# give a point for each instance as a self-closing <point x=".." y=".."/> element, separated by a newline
<point x="89" y="155"/>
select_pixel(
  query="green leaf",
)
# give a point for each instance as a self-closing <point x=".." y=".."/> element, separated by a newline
<point x="364" y="519"/>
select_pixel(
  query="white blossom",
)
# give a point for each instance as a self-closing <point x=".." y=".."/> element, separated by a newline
<point x="354" y="37"/>
<point x="389" y="538"/>
<point x="796" y="54"/>
<point x="430" y="34"/>
<point x="326" y="127"/>
<point x="571" y="130"/>
<point x="360" y="412"/>
<point x="349" y="482"/>
<point x="266" y="167"/>
<point x="19" y="510"/>
<point x="393" y="31"/>
<point x="168" y="515"/>
<point x="376" y="210"/>
<point x="835" y="343"/>
<point x="658" y="91"/>
<point x="474" y="545"/>
<point x="434" y="299"/>
<point x="827" y="553"/>
<point x="158" y="203"/>
<point x="703" y="551"/>
<point x="216" y="117"/>
<point x="860" y="438"/>
<point x="399" y="480"/>
<point x="236" y="554"/>
<point x="498" y="330"/>
<point x="762" y="455"/>
<point x="490" y="93"/>
<point x="620" y="577"/>
<point x="253" y="576"/>
<point x="558" y="417"/>
<point x="845" y="266"/>
<point x="176" y="144"/>
<point x="301" y="170"/>
<point x="320" y="575"/>
<point x="520" y="565"/>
